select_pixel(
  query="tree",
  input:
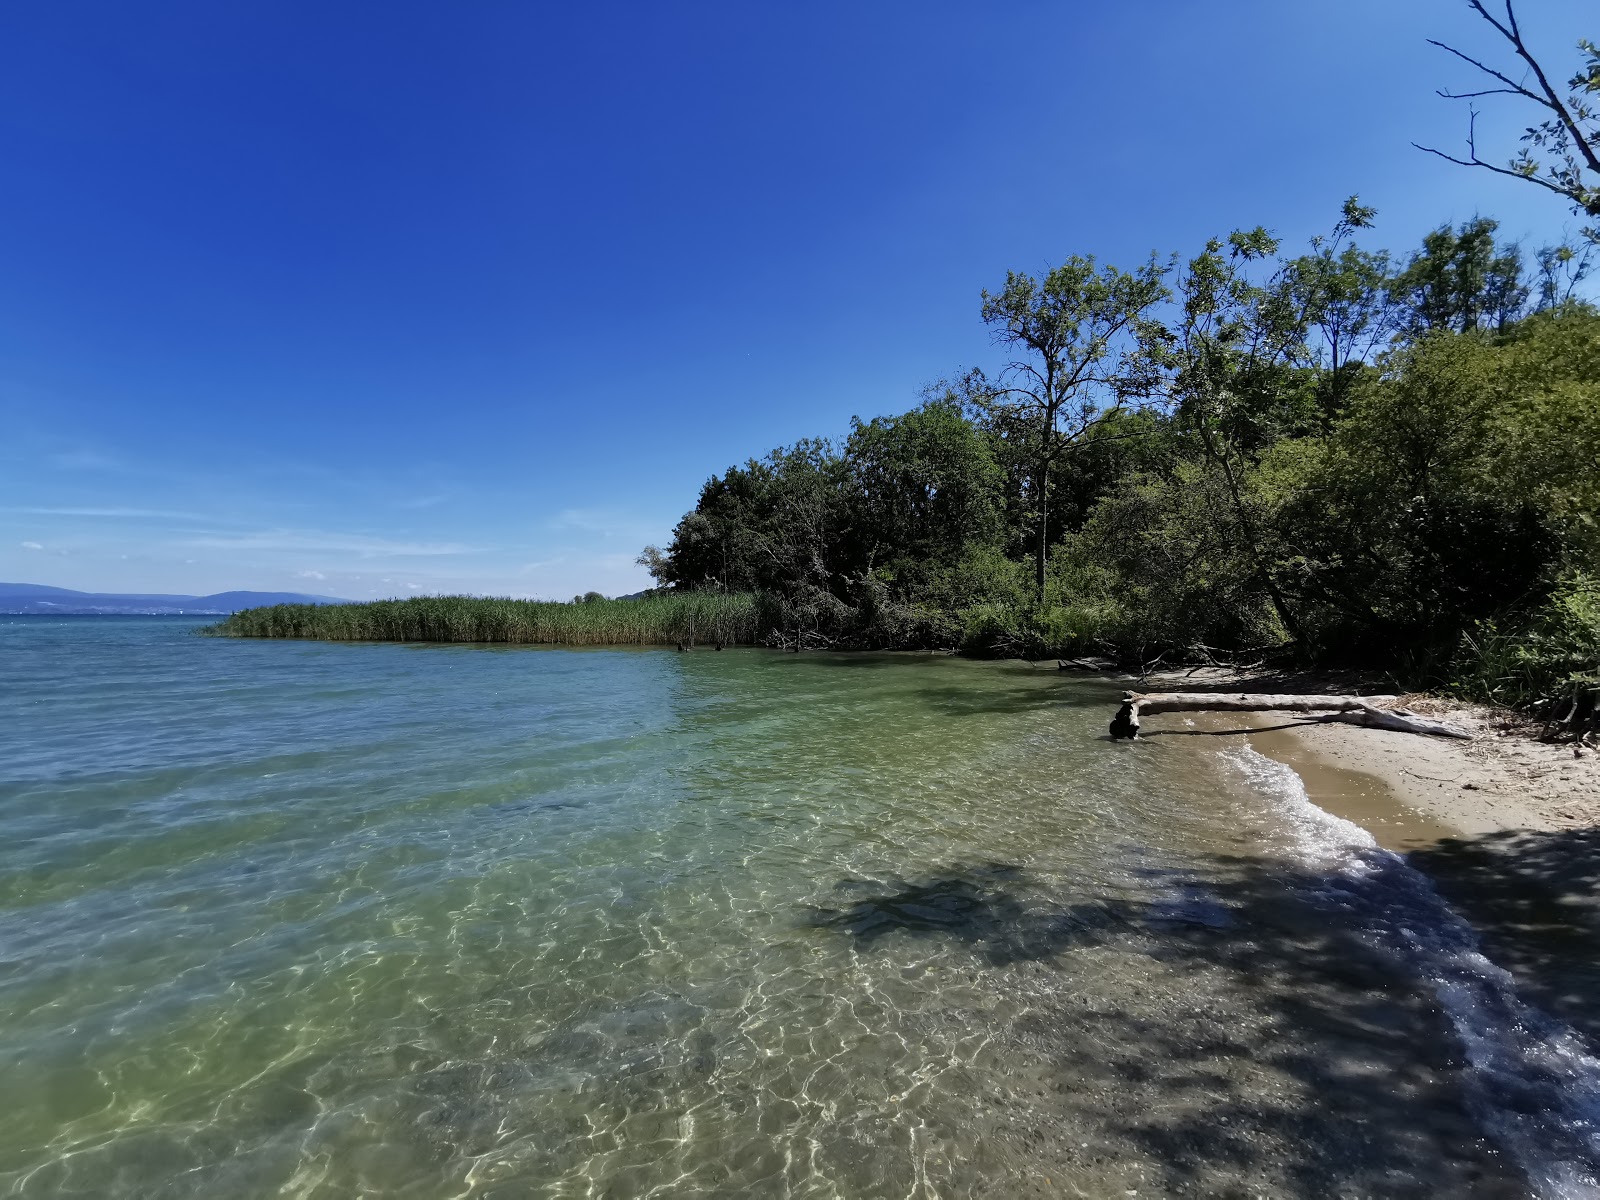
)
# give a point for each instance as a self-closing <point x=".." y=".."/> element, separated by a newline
<point x="1344" y="291"/>
<point x="1418" y="514"/>
<point x="775" y="524"/>
<point x="1238" y="357"/>
<point x="1569" y="133"/>
<point x="1545" y="443"/>
<point x="1183" y="577"/>
<point x="1462" y="281"/>
<point x="1082" y="337"/>
<point x="1561" y="269"/>
<point x="923" y="491"/>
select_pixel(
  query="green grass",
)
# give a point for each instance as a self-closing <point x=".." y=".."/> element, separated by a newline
<point x="701" y="617"/>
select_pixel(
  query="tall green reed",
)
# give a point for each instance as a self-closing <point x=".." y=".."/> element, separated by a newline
<point x="687" y="617"/>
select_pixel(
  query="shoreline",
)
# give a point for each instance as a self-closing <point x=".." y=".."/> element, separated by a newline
<point x="1492" y="784"/>
<point x="1504" y="827"/>
<point x="1503" y="779"/>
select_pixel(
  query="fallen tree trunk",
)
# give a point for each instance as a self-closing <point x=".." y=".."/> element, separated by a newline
<point x="1091" y="663"/>
<point x="1353" y="710"/>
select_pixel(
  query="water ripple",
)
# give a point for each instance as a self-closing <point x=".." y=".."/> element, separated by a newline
<point x="287" y="919"/>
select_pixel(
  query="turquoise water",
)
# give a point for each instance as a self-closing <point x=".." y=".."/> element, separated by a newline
<point x="299" y="919"/>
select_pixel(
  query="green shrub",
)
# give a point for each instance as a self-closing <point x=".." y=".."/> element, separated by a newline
<point x="1547" y="662"/>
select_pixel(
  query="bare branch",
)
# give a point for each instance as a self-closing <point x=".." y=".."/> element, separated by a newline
<point x="1478" y="162"/>
<point x="1506" y="33"/>
<point x="1550" y="98"/>
<point x="1474" y="95"/>
<point x="1512" y="84"/>
<point x="1101" y="438"/>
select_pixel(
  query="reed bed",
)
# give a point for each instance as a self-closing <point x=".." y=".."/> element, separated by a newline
<point x="702" y="618"/>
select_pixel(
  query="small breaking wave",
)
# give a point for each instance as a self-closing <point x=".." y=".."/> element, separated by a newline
<point x="1532" y="1085"/>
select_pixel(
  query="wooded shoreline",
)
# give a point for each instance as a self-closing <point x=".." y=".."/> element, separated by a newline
<point x="1341" y="456"/>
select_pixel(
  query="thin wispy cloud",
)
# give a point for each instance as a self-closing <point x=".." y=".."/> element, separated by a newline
<point x="84" y="460"/>
<point x="32" y="546"/>
<point x="150" y="514"/>
<point x="586" y="520"/>
<point x="598" y="522"/>
<point x="310" y="575"/>
<point x="309" y="541"/>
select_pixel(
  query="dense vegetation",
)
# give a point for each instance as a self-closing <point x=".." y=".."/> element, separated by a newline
<point x="702" y="617"/>
<point x="1339" y="456"/>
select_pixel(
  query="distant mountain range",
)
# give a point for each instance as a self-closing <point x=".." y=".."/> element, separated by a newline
<point x="33" y="598"/>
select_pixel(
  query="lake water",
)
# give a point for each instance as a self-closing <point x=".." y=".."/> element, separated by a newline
<point x="295" y="919"/>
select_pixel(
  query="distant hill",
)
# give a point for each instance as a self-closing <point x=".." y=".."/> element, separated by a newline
<point x="34" y="598"/>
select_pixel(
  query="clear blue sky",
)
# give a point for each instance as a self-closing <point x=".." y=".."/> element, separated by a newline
<point x="369" y="299"/>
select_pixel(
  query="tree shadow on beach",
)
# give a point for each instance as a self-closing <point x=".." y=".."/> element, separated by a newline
<point x="1310" y="1056"/>
<point x="1534" y="898"/>
<point x="1146" y="734"/>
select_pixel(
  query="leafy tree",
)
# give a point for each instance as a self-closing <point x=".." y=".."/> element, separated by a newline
<point x="1562" y="269"/>
<point x="1129" y="441"/>
<point x="1544" y="442"/>
<point x="1461" y="280"/>
<point x="1403" y="527"/>
<point x="775" y="524"/>
<point x="1081" y="341"/>
<point x="923" y="491"/>
<point x="1184" y="578"/>
<point x="1319" y="453"/>
<point x="1344" y="292"/>
<point x="1232" y="357"/>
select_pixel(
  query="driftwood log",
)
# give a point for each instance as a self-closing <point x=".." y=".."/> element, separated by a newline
<point x="1090" y="663"/>
<point x="1353" y="710"/>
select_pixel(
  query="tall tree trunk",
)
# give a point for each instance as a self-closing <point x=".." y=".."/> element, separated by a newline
<point x="1280" y="603"/>
<point x="1041" y="557"/>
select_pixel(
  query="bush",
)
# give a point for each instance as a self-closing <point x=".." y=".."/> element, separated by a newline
<point x="1548" y="662"/>
<point x="1167" y="557"/>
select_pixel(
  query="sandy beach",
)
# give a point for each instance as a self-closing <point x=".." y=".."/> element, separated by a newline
<point x="1503" y="779"/>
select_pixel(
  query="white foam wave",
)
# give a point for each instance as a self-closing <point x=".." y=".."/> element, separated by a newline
<point x="1533" y="1087"/>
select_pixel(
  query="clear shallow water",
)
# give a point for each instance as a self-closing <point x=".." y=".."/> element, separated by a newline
<point x="335" y="920"/>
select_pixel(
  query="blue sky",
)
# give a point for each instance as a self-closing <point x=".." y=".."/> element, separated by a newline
<point x="383" y="299"/>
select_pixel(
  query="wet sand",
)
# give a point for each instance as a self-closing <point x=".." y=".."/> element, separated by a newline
<point x="1346" y="786"/>
<point x="1497" y="781"/>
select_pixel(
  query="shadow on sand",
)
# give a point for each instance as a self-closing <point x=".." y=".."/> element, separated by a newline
<point x="1146" y="734"/>
<point x="1534" y="899"/>
<point x="1374" y="1095"/>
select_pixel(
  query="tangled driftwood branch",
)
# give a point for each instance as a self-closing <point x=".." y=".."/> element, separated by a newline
<point x="1353" y="710"/>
